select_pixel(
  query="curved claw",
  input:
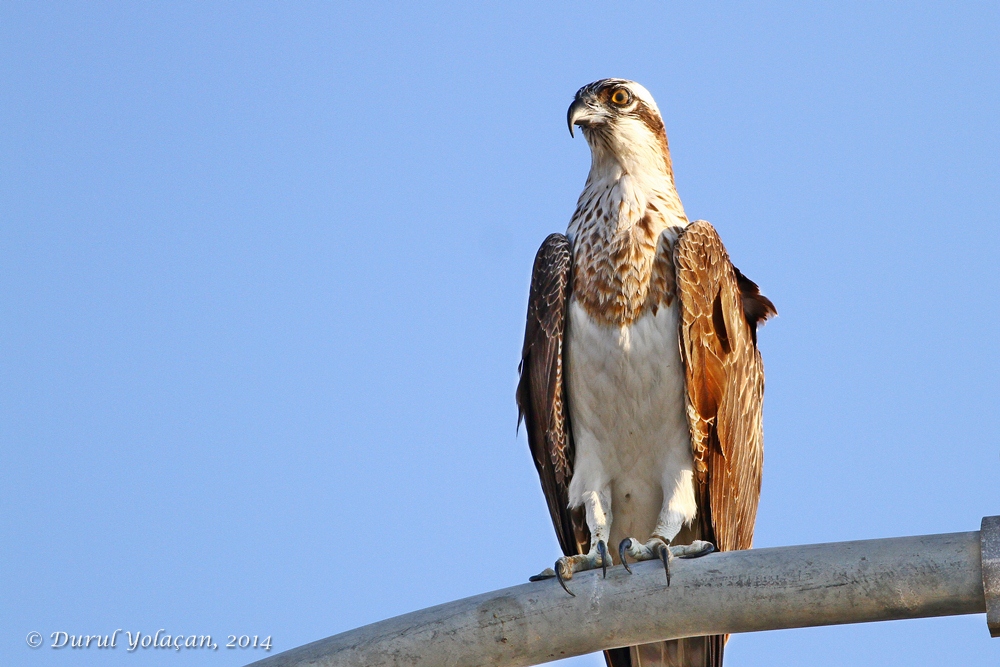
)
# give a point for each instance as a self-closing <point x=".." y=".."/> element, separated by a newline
<point x="622" y="546"/>
<point x="547" y="573"/>
<point x="664" y="554"/>
<point x="602" y="549"/>
<point x="559" y="570"/>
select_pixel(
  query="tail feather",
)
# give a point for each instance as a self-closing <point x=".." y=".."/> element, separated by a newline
<point x="687" y="652"/>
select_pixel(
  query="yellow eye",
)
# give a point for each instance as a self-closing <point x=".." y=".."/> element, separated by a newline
<point x="620" y="97"/>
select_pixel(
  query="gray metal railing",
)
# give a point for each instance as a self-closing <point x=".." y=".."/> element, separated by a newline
<point x="739" y="591"/>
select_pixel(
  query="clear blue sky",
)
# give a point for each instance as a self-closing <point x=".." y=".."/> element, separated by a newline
<point x="264" y="272"/>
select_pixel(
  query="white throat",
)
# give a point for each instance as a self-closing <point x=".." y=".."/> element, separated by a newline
<point x="629" y="177"/>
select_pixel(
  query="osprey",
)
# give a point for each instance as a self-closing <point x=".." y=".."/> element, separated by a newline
<point x="641" y="383"/>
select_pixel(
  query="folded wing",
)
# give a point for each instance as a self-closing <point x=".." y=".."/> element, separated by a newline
<point x="541" y="395"/>
<point x="720" y="311"/>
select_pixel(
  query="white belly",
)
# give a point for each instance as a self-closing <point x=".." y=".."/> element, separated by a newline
<point x="625" y="389"/>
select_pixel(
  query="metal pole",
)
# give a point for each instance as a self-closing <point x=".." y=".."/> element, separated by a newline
<point x="740" y="591"/>
<point x="990" y="547"/>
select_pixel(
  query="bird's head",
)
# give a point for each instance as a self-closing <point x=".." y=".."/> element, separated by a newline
<point x="620" y="121"/>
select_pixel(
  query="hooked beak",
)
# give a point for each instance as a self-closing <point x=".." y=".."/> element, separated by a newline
<point x="579" y="114"/>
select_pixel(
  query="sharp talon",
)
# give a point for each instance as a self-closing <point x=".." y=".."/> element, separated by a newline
<point x="622" y="546"/>
<point x="559" y="576"/>
<point x="665" y="557"/>
<point x="602" y="549"/>
<point x="547" y="573"/>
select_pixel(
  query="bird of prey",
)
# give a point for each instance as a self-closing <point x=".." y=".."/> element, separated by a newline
<point x="640" y="381"/>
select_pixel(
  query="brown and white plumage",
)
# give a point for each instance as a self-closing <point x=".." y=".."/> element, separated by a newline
<point x="725" y="384"/>
<point x="641" y="384"/>
<point x="541" y="395"/>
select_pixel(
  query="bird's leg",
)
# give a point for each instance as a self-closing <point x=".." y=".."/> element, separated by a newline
<point x="598" y="508"/>
<point x="658" y="546"/>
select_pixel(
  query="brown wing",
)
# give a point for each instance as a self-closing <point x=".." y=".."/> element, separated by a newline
<point x="541" y="396"/>
<point x="720" y="310"/>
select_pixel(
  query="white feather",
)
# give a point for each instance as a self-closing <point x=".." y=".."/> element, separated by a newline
<point x="627" y="411"/>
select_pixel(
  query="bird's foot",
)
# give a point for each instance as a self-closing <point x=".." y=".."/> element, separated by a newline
<point x="658" y="549"/>
<point x="567" y="565"/>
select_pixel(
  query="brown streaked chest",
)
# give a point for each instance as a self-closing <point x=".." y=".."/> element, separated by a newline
<point x="620" y="274"/>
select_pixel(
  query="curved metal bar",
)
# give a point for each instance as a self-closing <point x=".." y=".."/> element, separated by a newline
<point x="989" y="536"/>
<point x="740" y="591"/>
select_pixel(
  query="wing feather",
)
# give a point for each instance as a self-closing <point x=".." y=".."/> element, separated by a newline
<point x="720" y="310"/>
<point x="541" y="394"/>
